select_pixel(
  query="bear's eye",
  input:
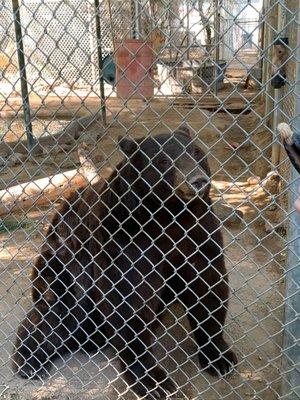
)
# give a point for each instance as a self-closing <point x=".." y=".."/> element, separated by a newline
<point x="165" y="162"/>
<point x="197" y="153"/>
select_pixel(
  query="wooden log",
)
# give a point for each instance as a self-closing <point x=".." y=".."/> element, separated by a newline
<point x="40" y="192"/>
<point x="47" y="190"/>
<point x="68" y="135"/>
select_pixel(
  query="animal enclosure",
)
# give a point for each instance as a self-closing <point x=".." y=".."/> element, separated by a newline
<point x="90" y="90"/>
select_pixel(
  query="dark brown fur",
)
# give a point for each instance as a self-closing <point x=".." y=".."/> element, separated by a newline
<point x="118" y="253"/>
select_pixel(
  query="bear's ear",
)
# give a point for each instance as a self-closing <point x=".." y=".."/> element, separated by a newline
<point x="128" y="146"/>
<point x="184" y="130"/>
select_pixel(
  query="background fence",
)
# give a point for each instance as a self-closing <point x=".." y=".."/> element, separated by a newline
<point x="93" y="72"/>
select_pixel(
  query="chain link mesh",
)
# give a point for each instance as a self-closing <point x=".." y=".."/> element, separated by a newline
<point x="115" y="279"/>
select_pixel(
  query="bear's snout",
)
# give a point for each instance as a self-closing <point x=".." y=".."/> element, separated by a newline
<point x="196" y="185"/>
<point x="199" y="184"/>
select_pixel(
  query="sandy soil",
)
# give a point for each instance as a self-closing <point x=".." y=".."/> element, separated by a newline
<point x="254" y="260"/>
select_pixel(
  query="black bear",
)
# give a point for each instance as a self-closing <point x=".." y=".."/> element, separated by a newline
<point x="118" y="253"/>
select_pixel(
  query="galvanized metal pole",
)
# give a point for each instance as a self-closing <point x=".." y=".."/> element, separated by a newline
<point x="281" y="24"/>
<point x="291" y="342"/>
<point x="136" y="16"/>
<point x="100" y="62"/>
<point x="188" y="56"/>
<point x="138" y="10"/>
<point x="217" y="43"/>
<point x="23" y="76"/>
<point x="269" y="29"/>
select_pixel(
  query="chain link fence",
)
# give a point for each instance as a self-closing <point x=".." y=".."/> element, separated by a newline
<point x="148" y="243"/>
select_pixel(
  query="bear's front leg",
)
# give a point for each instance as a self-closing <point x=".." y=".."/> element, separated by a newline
<point x="41" y="337"/>
<point x="139" y="365"/>
<point x="206" y="306"/>
<point x="207" y="324"/>
<point x="128" y="331"/>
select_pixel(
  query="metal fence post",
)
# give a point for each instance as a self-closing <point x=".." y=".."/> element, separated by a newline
<point x="100" y="61"/>
<point x="22" y="69"/>
<point x="291" y="342"/>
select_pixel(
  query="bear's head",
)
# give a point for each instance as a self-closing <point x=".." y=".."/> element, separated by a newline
<point x="166" y="165"/>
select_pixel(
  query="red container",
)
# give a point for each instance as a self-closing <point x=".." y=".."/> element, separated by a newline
<point x="134" y="78"/>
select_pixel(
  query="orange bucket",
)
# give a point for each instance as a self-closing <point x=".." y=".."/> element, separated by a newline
<point x="134" y="76"/>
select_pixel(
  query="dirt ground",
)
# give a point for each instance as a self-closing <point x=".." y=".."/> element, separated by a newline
<point x="254" y="260"/>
